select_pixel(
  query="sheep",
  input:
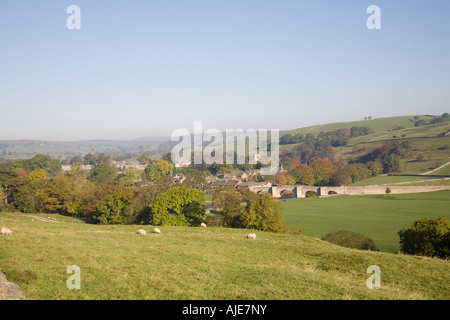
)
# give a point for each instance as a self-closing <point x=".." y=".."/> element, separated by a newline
<point x="5" y="231"/>
<point x="156" y="230"/>
<point x="141" y="232"/>
<point x="251" y="236"/>
<point x="203" y="225"/>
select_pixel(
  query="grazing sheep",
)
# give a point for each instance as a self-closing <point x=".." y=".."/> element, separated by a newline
<point x="251" y="236"/>
<point x="203" y="225"/>
<point x="5" y="231"/>
<point x="156" y="230"/>
<point x="142" y="232"/>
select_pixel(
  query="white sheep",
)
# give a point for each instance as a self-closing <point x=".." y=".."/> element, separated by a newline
<point x="156" y="230"/>
<point x="203" y="225"/>
<point x="141" y="232"/>
<point x="5" y="231"/>
<point x="251" y="236"/>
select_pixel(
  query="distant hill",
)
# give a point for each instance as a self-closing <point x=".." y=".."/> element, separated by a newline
<point x="22" y="149"/>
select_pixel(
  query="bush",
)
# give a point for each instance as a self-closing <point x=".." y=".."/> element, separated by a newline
<point x="264" y="214"/>
<point x="349" y="239"/>
<point x="216" y="220"/>
<point x="310" y="194"/>
<point x="426" y="237"/>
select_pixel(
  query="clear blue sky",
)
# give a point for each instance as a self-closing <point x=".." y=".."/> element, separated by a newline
<point x="145" y="68"/>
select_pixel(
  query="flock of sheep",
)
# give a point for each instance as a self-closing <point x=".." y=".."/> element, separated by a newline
<point x="156" y="230"/>
<point x="5" y="231"/>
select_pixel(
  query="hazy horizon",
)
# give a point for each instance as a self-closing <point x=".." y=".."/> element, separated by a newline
<point x="143" y="138"/>
<point x="145" y="68"/>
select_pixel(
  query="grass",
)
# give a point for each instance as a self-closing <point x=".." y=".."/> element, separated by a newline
<point x="379" y="217"/>
<point x="435" y="152"/>
<point x="441" y="182"/>
<point x="443" y="171"/>
<point x="432" y="130"/>
<point x="378" y="125"/>
<point x="202" y="263"/>
<point x="390" y="179"/>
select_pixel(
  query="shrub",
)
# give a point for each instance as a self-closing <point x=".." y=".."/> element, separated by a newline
<point x="349" y="239"/>
<point x="310" y="194"/>
<point x="264" y="214"/>
<point x="426" y="237"/>
<point x="216" y="220"/>
<point x="179" y="206"/>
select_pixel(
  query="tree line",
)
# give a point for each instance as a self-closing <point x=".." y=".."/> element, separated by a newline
<point x="104" y="197"/>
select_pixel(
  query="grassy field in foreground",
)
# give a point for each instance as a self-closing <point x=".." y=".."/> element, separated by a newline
<point x="202" y="263"/>
<point x="378" y="216"/>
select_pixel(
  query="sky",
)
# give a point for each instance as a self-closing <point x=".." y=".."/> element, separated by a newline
<point x="146" y="68"/>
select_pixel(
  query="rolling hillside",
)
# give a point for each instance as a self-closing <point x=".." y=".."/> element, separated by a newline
<point x="378" y="125"/>
<point x="430" y="141"/>
<point x="201" y="263"/>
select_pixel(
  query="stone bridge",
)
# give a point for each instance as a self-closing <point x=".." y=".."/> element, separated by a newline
<point x="300" y="191"/>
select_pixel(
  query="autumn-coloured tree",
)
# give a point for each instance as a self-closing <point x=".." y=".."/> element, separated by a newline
<point x="303" y="174"/>
<point x="323" y="170"/>
<point x="280" y="179"/>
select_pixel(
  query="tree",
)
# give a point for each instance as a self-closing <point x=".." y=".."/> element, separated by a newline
<point x="138" y="209"/>
<point x="76" y="159"/>
<point x="44" y="162"/>
<point x="420" y="123"/>
<point x="103" y="203"/>
<point x="303" y="175"/>
<point x="56" y="195"/>
<point x="427" y="237"/>
<point x="280" y="179"/>
<point x="76" y="169"/>
<point x="323" y="170"/>
<point x="16" y="164"/>
<point x="264" y="214"/>
<point x="145" y="158"/>
<point x="375" y="167"/>
<point x="20" y="193"/>
<point x="3" y="198"/>
<point x="231" y="203"/>
<point x="158" y="168"/>
<point x="102" y="173"/>
<point x="89" y="159"/>
<point x="196" y="180"/>
<point x="391" y="163"/>
<point x="180" y="206"/>
<point x="127" y="177"/>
